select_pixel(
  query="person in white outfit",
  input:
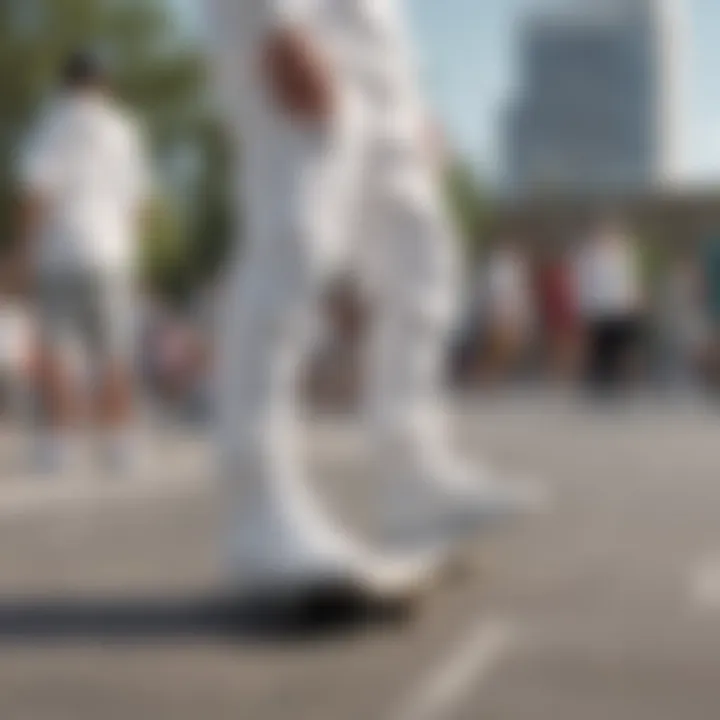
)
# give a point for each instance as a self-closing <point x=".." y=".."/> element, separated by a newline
<point x="83" y="180"/>
<point x="336" y="172"/>
<point x="609" y="282"/>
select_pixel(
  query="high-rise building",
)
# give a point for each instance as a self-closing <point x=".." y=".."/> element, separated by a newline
<point x="600" y="97"/>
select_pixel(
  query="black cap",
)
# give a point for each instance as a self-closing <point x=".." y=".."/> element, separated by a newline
<point x="83" y="69"/>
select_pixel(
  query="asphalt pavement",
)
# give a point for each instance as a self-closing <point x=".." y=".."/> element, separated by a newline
<point x="112" y="599"/>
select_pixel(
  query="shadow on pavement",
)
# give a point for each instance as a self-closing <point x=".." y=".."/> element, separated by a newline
<point x="218" y="619"/>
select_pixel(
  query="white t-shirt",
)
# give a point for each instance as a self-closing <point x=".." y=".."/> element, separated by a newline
<point x="85" y="160"/>
<point x="608" y="279"/>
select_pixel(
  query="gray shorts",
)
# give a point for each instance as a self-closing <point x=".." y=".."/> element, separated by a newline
<point x="95" y="311"/>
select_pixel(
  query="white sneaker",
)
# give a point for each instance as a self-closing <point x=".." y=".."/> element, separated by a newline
<point x="268" y="565"/>
<point x="442" y="514"/>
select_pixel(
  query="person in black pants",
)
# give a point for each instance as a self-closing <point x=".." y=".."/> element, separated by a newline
<point x="610" y="293"/>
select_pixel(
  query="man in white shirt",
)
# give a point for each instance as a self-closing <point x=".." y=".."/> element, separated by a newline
<point x="337" y="171"/>
<point x="610" y="295"/>
<point x="83" y="183"/>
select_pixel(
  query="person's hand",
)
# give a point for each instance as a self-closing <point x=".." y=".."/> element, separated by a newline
<point x="298" y="76"/>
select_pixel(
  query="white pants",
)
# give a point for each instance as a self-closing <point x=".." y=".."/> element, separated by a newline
<point x="361" y="192"/>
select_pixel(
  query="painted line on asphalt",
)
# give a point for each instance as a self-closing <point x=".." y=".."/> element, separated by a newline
<point x="705" y="584"/>
<point x="466" y="667"/>
<point x="40" y="494"/>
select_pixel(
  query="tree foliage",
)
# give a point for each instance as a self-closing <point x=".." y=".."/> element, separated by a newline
<point x="469" y="205"/>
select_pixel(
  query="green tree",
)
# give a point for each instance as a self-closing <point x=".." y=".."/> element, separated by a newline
<point x="159" y="73"/>
<point x="468" y="205"/>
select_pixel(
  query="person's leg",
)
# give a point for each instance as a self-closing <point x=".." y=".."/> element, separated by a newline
<point x="61" y="403"/>
<point x="282" y="540"/>
<point x="633" y="359"/>
<point x="616" y="349"/>
<point x="416" y="281"/>
<point x="115" y="396"/>
<point x="266" y="331"/>
<point x="61" y="406"/>
<point x="59" y="412"/>
<point x="600" y="355"/>
<point x="108" y="328"/>
<point x="114" y="408"/>
<point x="433" y="494"/>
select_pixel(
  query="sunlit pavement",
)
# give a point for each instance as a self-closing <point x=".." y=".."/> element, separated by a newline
<point x="606" y="607"/>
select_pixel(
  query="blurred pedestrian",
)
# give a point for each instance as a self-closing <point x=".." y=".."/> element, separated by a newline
<point x="609" y="281"/>
<point x="558" y="302"/>
<point x="509" y="309"/>
<point x="83" y="180"/>
<point x="683" y="321"/>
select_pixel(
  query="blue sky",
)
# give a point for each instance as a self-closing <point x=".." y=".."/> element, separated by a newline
<point x="467" y="52"/>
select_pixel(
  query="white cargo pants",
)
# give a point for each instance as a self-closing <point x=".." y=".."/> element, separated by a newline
<point x="360" y="190"/>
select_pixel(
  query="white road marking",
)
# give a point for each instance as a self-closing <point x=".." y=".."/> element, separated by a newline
<point x="705" y="586"/>
<point x="469" y="664"/>
<point x="30" y="495"/>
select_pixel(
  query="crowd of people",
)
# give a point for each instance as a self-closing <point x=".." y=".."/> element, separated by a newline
<point x="590" y="310"/>
<point x="585" y="312"/>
